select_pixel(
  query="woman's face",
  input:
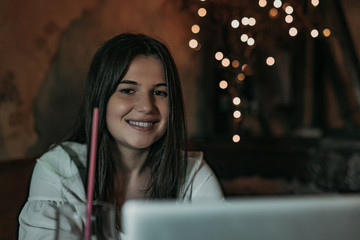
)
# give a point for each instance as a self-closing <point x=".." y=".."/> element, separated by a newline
<point x="137" y="112"/>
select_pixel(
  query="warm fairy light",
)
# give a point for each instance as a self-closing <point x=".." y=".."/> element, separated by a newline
<point x="244" y="67"/>
<point x="223" y="84"/>
<point x="235" y="23"/>
<point x="314" y="33"/>
<point x="236" y="138"/>
<point x="251" y="41"/>
<point x="289" y="9"/>
<point x="315" y="3"/>
<point x="193" y="43"/>
<point x="225" y="62"/>
<point x="244" y="37"/>
<point x="235" y="64"/>
<point x="237" y="114"/>
<point x="273" y="12"/>
<point x="245" y="21"/>
<point x="219" y="56"/>
<point x="195" y="28"/>
<point x="252" y="21"/>
<point x="202" y="12"/>
<point x="277" y="3"/>
<point x="270" y="61"/>
<point x="289" y="19"/>
<point x="293" y="32"/>
<point x="326" y="32"/>
<point x="236" y="101"/>
<point x="241" y="77"/>
<point x="262" y="3"/>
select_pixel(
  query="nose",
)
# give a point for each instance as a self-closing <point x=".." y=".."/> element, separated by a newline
<point x="145" y="103"/>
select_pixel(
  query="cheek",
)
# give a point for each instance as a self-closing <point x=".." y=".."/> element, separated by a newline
<point x="164" y="111"/>
<point x="116" y="108"/>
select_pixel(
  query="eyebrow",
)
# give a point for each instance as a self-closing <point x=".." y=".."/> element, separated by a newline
<point x="135" y="83"/>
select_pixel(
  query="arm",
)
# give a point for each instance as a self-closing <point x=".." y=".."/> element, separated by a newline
<point x="55" y="180"/>
<point x="38" y="217"/>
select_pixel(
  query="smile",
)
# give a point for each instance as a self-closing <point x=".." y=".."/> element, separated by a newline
<point x="141" y="124"/>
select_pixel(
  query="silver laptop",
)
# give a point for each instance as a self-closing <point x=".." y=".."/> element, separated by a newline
<point x="290" y="218"/>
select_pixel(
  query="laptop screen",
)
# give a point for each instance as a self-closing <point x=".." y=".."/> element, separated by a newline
<point x="290" y="218"/>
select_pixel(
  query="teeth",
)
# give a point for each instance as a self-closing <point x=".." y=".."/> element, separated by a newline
<point x="141" y="124"/>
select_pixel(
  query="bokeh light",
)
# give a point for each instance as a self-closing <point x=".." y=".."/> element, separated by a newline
<point x="202" y="12"/>
<point x="193" y="43"/>
<point x="236" y="101"/>
<point x="219" y="56"/>
<point x="236" y="138"/>
<point x="270" y="61"/>
<point x="195" y="28"/>
<point x="223" y="84"/>
<point x="293" y="31"/>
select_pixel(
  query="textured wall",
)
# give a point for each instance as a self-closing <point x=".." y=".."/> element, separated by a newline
<point x="45" y="50"/>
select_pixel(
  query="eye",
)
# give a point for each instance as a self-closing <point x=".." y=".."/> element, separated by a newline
<point x="127" y="90"/>
<point x="160" y="93"/>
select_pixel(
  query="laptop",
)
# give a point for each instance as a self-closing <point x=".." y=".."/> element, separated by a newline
<point x="271" y="218"/>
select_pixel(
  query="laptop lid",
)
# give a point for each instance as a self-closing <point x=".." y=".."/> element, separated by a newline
<point x="291" y="218"/>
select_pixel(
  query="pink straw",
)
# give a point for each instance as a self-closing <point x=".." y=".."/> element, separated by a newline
<point x="91" y="174"/>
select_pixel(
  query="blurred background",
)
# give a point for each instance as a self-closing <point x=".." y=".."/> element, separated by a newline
<point x="271" y="88"/>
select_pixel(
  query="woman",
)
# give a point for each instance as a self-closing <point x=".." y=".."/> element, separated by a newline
<point x="142" y="145"/>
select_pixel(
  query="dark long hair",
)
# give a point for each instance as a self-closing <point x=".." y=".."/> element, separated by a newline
<point x="168" y="156"/>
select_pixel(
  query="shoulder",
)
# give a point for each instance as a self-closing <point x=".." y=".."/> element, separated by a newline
<point x="197" y="166"/>
<point x="201" y="181"/>
<point x="59" y="165"/>
<point x="63" y="157"/>
<point x="195" y="160"/>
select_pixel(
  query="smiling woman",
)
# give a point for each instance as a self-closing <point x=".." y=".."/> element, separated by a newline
<point x="142" y="144"/>
<point x="137" y="112"/>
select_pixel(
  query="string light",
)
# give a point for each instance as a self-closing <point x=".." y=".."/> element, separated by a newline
<point x="270" y="61"/>
<point x="289" y="9"/>
<point x="193" y="43"/>
<point x="244" y="37"/>
<point x="236" y="138"/>
<point x="251" y="32"/>
<point x="235" y="64"/>
<point x="245" y="21"/>
<point x="223" y="84"/>
<point x="326" y="32"/>
<point x="219" y="56"/>
<point x="195" y="28"/>
<point x="244" y="67"/>
<point x="235" y="23"/>
<point x="237" y="114"/>
<point x="273" y="12"/>
<point x="236" y="101"/>
<point x="315" y="3"/>
<point x="277" y="3"/>
<point x="252" y="21"/>
<point x="202" y="12"/>
<point x="293" y="32"/>
<point x="262" y="3"/>
<point x="314" y="33"/>
<point x="241" y="77"/>
<point x="225" y="62"/>
<point x="289" y="19"/>
<point x="251" y="41"/>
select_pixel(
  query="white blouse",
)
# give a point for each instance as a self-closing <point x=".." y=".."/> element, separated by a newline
<point x="59" y="175"/>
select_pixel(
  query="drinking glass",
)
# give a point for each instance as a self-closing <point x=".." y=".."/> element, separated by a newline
<point x="71" y="221"/>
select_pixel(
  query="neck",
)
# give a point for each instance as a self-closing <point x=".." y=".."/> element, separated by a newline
<point x="134" y="160"/>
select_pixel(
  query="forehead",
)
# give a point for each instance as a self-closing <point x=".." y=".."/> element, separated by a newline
<point x="142" y="67"/>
